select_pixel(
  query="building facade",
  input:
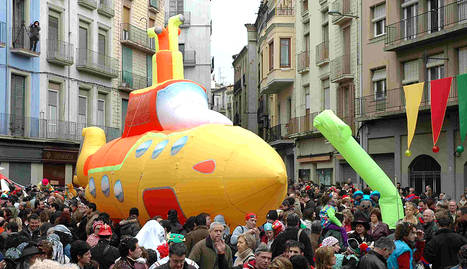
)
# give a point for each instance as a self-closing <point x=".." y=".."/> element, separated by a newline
<point x="194" y="39"/>
<point x="245" y="88"/>
<point x="220" y="99"/>
<point x="70" y="81"/>
<point x="421" y="41"/>
<point x="327" y="77"/>
<point x="133" y="49"/>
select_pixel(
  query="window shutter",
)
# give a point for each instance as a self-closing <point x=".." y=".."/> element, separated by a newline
<point x="379" y="74"/>
<point x="82" y="100"/>
<point x="149" y="69"/>
<point x="463" y="60"/>
<point x="102" y="44"/>
<point x="379" y="12"/>
<point x="83" y="38"/>
<point x="410" y="72"/>
<point x="53" y="28"/>
<point x="435" y="62"/>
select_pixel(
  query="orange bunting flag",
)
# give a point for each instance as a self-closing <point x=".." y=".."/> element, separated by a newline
<point x="413" y="97"/>
<point x="440" y="89"/>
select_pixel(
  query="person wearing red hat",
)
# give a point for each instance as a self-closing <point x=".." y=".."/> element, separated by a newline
<point x="104" y="253"/>
<point x="44" y="185"/>
<point x="250" y="227"/>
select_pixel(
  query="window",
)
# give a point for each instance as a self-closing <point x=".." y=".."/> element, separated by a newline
<point x="124" y="111"/>
<point x="271" y="55"/>
<point x="175" y="7"/>
<point x="379" y="84"/>
<point x="379" y="20"/>
<point x="435" y="70"/>
<point x="410" y="19"/>
<point x="102" y="49"/>
<point x="304" y="174"/>
<point x="326" y="94"/>
<point x="83" y="43"/>
<point x="462" y="9"/>
<point x="306" y="39"/>
<point x="82" y="110"/>
<point x="436" y="15"/>
<point x="53" y="109"/>
<point x="463" y="60"/>
<point x="305" y="5"/>
<point x="307" y="98"/>
<point x="53" y="29"/>
<point x="410" y="72"/>
<point x="324" y="176"/>
<point x="285" y="52"/>
<point x="101" y="110"/>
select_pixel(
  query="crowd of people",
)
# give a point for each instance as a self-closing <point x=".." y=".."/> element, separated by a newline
<point x="315" y="227"/>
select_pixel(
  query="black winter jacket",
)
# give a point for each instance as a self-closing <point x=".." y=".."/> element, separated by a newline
<point x="291" y="233"/>
<point x="104" y="257"/>
<point x="372" y="260"/>
<point x="442" y="249"/>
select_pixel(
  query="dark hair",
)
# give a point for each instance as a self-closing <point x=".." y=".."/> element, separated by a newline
<point x="463" y="210"/>
<point x="92" y="206"/>
<point x="134" y="211"/>
<point x="403" y="229"/>
<point x="56" y="206"/>
<point x="294" y="244"/>
<point x="308" y="213"/>
<point x="179" y="249"/>
<point x="12" y="226"/>
<point x="33" y="216"/>
<point x="172" y="216"/>
<point x="78" y="248"/>
<point x="292" y="220"/>
<point x="377" y="213"/>
<point x="299" y="262"/>
<point x="165" y="224"/>
<point x="189" y="224"/>
<point x="126" y="245"/>
<point x="201" y="219"/>
<point x="385" y="243"/>
<point x="444" y="220"/>
<point x="316" y="227"/>
<point x="152" y="257"/>
<point x="272" y="215"/>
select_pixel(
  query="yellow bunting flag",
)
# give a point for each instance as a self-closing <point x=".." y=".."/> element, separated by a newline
<point x="413" y="97"/>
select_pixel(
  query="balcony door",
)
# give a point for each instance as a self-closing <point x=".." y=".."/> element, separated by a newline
<point x="410" y="20"/>
<point x="19" y="24"/>
<point x="83" y="45"/>
<point x="102" y="50"/>
<point x="462" y="10"/>
<point x="435" y="15"/>
<point x="52" y="111"/>
<point x="82" y="112"/>
<point x="345" y="108"/>
<point x="127" y="67"/>
<point x="52" y="45"/>
<point x="17" y="120"/>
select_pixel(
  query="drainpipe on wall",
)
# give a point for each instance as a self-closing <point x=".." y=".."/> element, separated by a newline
<point x="359" y="59"/>
<point x="7" y="54"/>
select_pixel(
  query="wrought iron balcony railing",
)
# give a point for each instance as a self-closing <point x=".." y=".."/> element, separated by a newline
<point x="322" y="53"/>
<point x="19" y="126"/>
<point x="303" y="61"/>
<point x="96" y="63"/>
<point x="106" y="8"/>
<point x="59" y="52"/>
<point x="340" y="68"/>
<point x="21" y="42"/>
<point x="136" y="37"/>
<point x="131" y="81"/>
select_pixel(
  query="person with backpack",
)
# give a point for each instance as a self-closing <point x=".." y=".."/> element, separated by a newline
<point x="292" y="232"/>
<point x="250" y="227"/>
<point x="103" y="252"/>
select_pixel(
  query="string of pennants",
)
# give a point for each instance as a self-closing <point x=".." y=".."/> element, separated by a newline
<point x="439" y="94"/>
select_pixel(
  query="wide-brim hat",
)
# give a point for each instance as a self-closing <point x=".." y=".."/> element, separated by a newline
<point x="362" y="221"/>
<point x="30" y="251"/>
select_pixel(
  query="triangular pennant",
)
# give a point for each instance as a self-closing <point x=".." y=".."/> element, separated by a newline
<point x="413" y="97"/>
<point x="440" y="89"/>
<point x="462" y="99"/>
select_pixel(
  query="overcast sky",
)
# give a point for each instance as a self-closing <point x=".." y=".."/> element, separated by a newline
<point x="229" y="33"/>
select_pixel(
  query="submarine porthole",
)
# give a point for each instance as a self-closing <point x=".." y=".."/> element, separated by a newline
<point x="105" y="185"/>
<point x="92" y="187"/>
<point x="159" y="148"/>
<point x="143" y="148"/>
<point x="118" y="190"/>
<point x="178" y="145"/>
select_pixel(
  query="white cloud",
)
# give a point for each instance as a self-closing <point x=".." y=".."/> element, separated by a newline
<point x="229" y="34"/>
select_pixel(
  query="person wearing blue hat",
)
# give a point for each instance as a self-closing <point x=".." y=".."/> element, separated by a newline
<point x="375" y="195"/>
<point x="357" y="196"/>
<point x="268" y="237"/>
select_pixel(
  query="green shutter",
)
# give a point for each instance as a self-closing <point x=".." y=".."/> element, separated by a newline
<point x="127" y="66"/>
<point x="124" y="110"/>
<point x="149" y="69"/>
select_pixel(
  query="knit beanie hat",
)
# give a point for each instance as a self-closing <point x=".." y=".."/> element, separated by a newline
<point x="329" y="241"/>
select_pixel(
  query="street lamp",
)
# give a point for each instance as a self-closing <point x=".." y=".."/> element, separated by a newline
<point x="338" y="13"/>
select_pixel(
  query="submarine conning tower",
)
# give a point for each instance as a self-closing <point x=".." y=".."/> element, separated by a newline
<point x="167" y="62"/>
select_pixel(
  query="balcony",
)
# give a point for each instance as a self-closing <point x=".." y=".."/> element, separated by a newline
<point x="96" y="63"/>
<point x="130" y="81"/>
<point x="106" y="8"/>
<point x="154" y="5"/>
<point x="21" y="44"/>
<point x="345" y="8"/>
<point x="277" y="135"/>
<point x="322" y="53"/>
<point x="20" y="127"/>
<point x="89" y="4"/>
<point x="277" y="80"/>
<point x="59" y="52"/>
<point x="189" y="57"/>
<point x="303" y="62"/>
<point x="393" y="103"/>
<point x="301" y="126"/>
<point x="349" y="120"/>
<point x="136" y="38"/>
<point x="284" y="11"/>
<point x="3" y="34"/>
<point x="340" y="69"/>
<point x="446" y="21"/>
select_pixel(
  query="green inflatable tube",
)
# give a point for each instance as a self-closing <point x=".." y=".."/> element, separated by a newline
<point x="340" y="136"/>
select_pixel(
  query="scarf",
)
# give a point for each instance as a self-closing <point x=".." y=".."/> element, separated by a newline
<point x="57" y="247"/>
<point x="243" y="257"/>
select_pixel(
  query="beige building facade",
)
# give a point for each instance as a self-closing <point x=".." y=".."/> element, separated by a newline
<point x="406" y="42"/>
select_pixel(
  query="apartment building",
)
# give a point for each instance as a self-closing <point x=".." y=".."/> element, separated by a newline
<point x="133" y="49"/>
<point x="245" y="88"/>
<point x="410" y="42"/>
<point x="220" y="95"/>
<point x="194" y="39"/>
<point x="275" y="42"/>
<point x="327" y="76"/>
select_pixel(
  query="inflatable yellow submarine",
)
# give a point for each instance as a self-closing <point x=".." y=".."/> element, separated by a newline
<point x="175" y="153"/>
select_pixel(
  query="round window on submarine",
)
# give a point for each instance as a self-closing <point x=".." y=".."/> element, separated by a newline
<point x="92" y="187"/>
<point x="105" y="185"/>
<point x="159" y="148"/>
<point x="178" y="145"/>
<point x="143" y="148"/>
<point x="118" y="191"/>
